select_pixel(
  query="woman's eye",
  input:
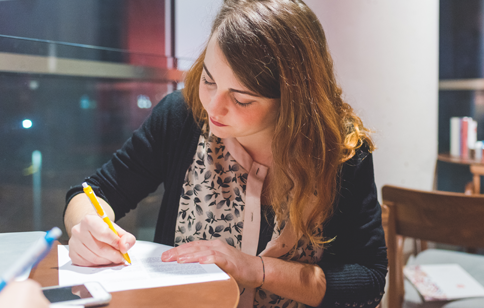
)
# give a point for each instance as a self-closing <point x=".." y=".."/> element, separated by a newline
<point x="242" y="104"/>
<point x="205" y="81"/>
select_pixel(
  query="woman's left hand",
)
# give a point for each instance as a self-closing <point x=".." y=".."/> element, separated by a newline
<point x="246" y="269"/>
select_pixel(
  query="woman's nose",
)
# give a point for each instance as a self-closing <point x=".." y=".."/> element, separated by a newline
<point x="218" y="104"/>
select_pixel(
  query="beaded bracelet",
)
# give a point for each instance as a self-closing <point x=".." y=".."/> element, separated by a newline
<point x="263" y="273"/>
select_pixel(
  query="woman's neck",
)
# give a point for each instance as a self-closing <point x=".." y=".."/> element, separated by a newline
<point x="258" y="148"/>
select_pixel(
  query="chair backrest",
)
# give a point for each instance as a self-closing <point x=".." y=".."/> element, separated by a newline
<point x="443" y="217"/>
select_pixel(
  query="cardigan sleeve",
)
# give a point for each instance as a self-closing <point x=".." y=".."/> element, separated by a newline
<point x="139" y="167"/>
<point x="355" y="261"/>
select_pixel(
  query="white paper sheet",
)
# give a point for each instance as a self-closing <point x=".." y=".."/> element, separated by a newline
<point x="437" y="282"/>
<point x="13" y="245"/>
<point x="146" y="271"/>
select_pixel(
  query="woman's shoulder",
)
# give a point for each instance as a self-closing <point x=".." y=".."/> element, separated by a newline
<point x="172" y="112"/>
<point x="173" y="104"/>
<point x="170" y="119"/>
<point x="363" y="155"/>
<point x="357" y="189"/>
<point x="357" y="173"/>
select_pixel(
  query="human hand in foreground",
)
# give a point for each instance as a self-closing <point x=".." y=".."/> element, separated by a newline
<point x="23" y="294"/>
<point x="93" y="243"/>
<point x="244" y="268"/>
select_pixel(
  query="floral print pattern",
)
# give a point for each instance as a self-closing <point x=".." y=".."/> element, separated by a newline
<point x="212" y="207"/>
<point x="213" y="196"/>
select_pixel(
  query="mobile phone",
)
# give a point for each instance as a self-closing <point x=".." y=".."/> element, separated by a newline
<point x="87" y="294"/>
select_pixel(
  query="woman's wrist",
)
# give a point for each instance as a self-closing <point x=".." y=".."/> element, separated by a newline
<point x="263" y="273"/>
<point x="257" y="273"/>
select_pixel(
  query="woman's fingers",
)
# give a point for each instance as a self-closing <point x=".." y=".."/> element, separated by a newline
<point x="204" y="252"/>
<point x="25" y="294"/>
<point x="246" y="269"/>
<point x="93" y="243"/>
<point x="196" y="256"/>
<point x="99" y="230"/>
<point x="92" y="253"/>
<point x="172" y="254"/>
<point x="126" y="241"/>
<point x="169" y="255"/>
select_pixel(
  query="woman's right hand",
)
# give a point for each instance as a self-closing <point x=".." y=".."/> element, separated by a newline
<point x="93" y="243"/>
<point x="25" y="294"/>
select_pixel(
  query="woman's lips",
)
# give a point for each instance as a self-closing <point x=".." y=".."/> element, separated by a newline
<point x="217" y="123"/>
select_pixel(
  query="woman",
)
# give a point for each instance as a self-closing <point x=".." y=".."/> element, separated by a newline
<point x="261" y="160"/>
<point x="26" y="294"/>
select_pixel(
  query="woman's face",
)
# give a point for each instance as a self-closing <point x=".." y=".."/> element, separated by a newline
<point x="233" y="110"/>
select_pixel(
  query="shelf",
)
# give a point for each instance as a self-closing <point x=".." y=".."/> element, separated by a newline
<point x="18" y="63"/>
<point x="461" y="84"/>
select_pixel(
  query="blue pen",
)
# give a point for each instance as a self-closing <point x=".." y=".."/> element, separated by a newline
<point x="33" y="256"/>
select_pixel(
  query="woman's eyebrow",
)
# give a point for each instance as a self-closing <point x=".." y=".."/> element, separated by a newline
<point x="243" y="92"/>
<point x="230" y="89"/>
<point x="208" y="73"/>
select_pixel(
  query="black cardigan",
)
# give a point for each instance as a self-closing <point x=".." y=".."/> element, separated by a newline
<point x="162" y="149"/>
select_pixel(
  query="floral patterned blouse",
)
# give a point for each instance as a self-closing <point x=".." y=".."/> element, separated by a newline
<point x="221" y="200"/>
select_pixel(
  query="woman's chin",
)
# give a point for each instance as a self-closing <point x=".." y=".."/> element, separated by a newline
<point x="221" y="136"/>
<point x="219" y="132"/>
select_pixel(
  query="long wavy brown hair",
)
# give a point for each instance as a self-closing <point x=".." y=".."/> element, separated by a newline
<point x="278" y="49"/>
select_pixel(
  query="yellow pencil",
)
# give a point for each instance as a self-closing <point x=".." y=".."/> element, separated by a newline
<point x="99" y="209"/>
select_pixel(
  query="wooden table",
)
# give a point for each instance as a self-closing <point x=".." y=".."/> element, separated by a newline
<point x="476" y="167"/>
<point x="223" y="293"/>
<point x="459" y="160"/>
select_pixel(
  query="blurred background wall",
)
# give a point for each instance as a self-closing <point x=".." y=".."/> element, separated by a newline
<point x="77" y="77"/>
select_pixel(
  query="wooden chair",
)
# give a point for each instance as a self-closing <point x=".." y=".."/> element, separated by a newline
<point x="477" y="171"/>
<point x="442" y="217"/>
